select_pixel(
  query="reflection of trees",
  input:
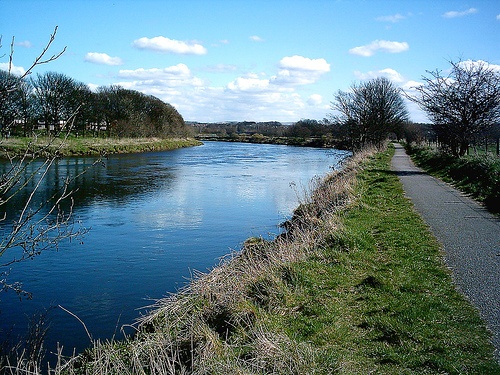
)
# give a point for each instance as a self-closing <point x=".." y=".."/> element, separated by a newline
<point x="121" y="179"/>
<point x="117" y="179"/>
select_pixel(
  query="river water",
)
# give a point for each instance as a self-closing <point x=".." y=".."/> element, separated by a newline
<point x="153" y="219"/>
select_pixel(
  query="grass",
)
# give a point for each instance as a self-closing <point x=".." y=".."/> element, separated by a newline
<point x="477" y="175"/>
<point x="379" y="298"/>
<point x="79" y="146"/>
<point x="357" y="285"/>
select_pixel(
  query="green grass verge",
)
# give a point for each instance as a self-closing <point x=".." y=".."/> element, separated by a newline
<point x="378" y="298"/>
<point x="477" y="175"/>
<point x="80" y="146"/>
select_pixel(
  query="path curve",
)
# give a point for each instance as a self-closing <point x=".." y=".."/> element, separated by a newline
<point x="470" y="236"/>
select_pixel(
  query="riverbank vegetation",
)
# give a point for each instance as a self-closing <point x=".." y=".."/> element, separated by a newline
<point x="53" y="102"/>
<point x="80" y="146"/>
<point x="477" y="175"/>
<point x="305" y="132"/>
<point x="324" y="141"/>
<point x="356" y="284"/>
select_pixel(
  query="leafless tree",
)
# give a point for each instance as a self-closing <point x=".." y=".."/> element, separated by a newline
<point x="461" y="104"/>
<point x="369" y="112"/>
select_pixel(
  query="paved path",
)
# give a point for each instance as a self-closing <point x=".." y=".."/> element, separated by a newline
<point x="470" y="236"/>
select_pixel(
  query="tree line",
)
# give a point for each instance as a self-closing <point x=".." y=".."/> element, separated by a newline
<point x="51" y="101"/>
<point x="463" y="106"/>
<point x="302" y="129"/>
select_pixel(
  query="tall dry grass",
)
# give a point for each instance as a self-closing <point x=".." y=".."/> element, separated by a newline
<point x="216" y="324"/>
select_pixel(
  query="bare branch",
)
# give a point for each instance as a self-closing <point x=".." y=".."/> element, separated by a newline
<point x="77" y="318"/>
<point x="39" y="60"/>
<point x="1" y="36"/>
<point x="11" y="54"/>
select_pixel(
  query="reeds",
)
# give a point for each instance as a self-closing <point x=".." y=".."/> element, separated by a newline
<point x="222" y="321"/>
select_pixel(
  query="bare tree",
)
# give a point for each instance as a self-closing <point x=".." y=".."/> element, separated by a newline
<point x="369" y="112"/>
<point x="56" y="99"/>
<point x="462" y="104"/>
<point x="37" y="224"/>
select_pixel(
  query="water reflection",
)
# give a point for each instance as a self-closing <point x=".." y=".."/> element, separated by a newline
<point x="155" y="218"/>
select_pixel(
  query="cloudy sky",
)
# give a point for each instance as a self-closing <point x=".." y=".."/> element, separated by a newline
<point x="260" y="60"/>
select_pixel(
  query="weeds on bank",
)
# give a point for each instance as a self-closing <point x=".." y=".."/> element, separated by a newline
<point x="356" y="285"/>
<point x="80" y="146"/>
<point x="477" y="175"/>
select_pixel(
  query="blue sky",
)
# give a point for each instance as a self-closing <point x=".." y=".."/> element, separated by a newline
<point x="236" y="60"/>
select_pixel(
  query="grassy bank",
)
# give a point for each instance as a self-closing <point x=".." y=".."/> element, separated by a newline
<point x="79" y="146"/>
<point x="356" y="286"/>
<point x="477" y="175"/>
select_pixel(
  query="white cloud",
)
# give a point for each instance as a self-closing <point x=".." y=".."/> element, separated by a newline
<point x="410" y="85"/>
<point x="172" y="76"/>
<point x="498" y="17"/>
<point x="93" y="87"/>
<point x="102" y="58"/>
<point x="303" y="63"/>
<point x="220" y="43"/>
<point x="388" y="73"/>
<point x="25" y="44"/>
<point x="255" y="38"/>
<point x="156" y="73"/>
<point x="455" y="14"/>
<point x="299" y="70"/>
<point x="250" y="83"/>
<point x="162" y="44"/>
<point x="253" y="96"/>
<point x="294" y="70"/>
<point x="212" y="104"/>
<point x="15" y="70"/>
<point x="392" y="18"/>
<point x="379" y="45"/>
<point x="479" y="63"/>
<point x="315" y="99"/>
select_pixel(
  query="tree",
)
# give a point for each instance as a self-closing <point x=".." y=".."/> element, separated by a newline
<point x="56" y="98"/>
<point x="9" y="101"/>
<point x="129" y="113"/>
<point x="305" y="128"/>
<point x="83" y="105"/>
<point x="462" y="104"/>
<point x="369" y="112"/>
<point x="33" y="227"/>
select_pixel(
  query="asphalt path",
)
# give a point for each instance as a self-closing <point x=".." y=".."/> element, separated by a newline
<point x="469" y="234"/>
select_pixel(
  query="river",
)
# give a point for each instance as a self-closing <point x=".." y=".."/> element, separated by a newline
<point x="153" y="219"/>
